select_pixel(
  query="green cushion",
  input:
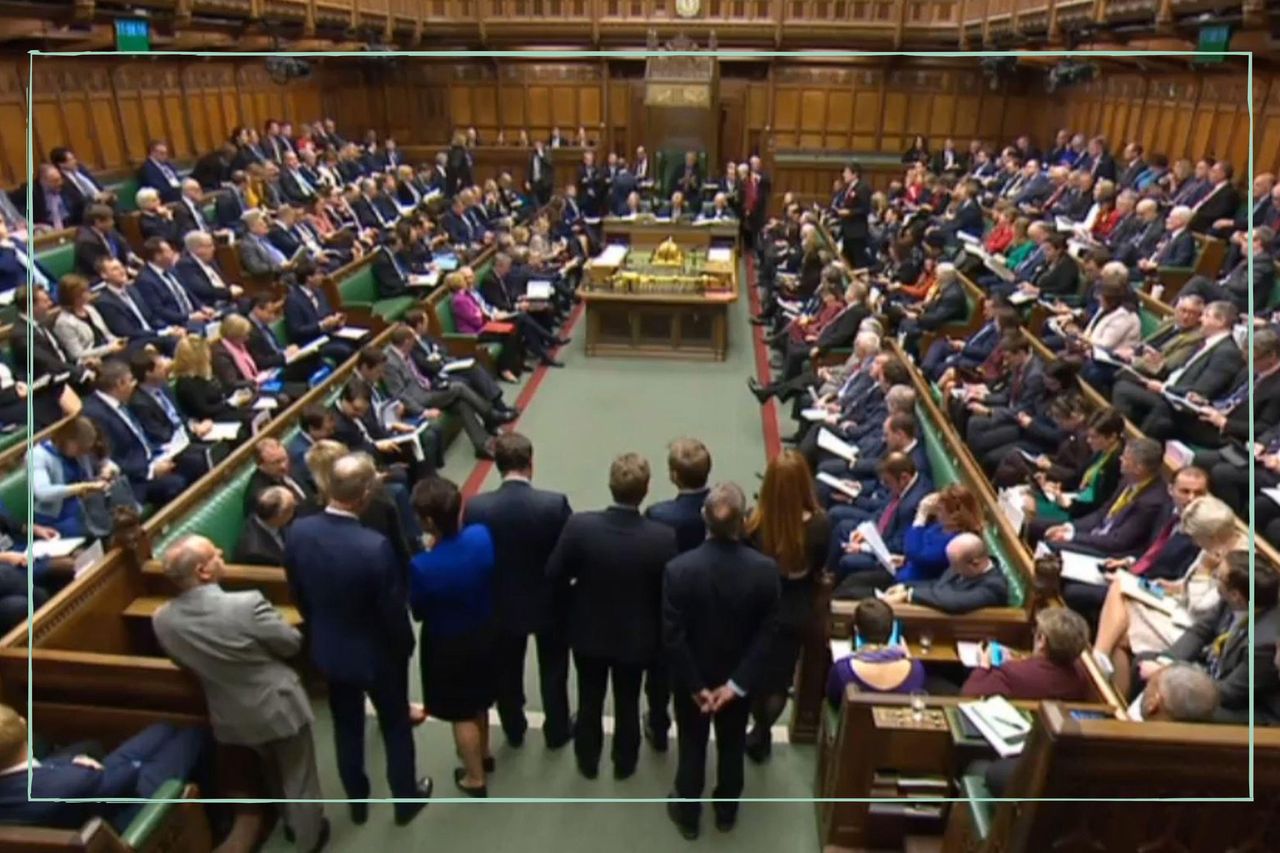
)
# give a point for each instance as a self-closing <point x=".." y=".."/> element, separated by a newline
<point x="1150" y="322"/>
<point x="13" y="489"/>
<point x="946" y="472"/>
<point x="9" y="439"/>
<point x="59" y="260"/>
<point x="977" y="796"/>
<point x="127" y="191"/>
<point x="219" y="518"/>
<point x="359" y="289"/>
<point x="278" y="329"/>
<point x="444" y="314"/>
<point x="394" y="308"/>
<point x="151" y="816"/>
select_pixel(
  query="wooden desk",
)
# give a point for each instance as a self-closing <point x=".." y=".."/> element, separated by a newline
<point x="661" y="323"/>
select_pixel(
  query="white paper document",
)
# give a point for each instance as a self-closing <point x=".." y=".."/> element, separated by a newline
<point x="871" y="537"/>
<point x="60" y="547"/>
<point x="460" y="364"/>
<point x="88" y="557"/>
<point x="1273" y="493"/>
<point x="832" y="443"/>
<point x="539" y="290"/>
<point x="223" y="431"/>
<point x="851" y="489"/>
<point x="814" y="414"/>
<point x="266" y="404"/>
<point x="1000" y="723"/>
<point x="430" y="279"/>
<point x="309" y="349"/>
<point x="840" y="649"/>
<point x="719" y="254"/>
<point x="969" y="653"/>
<point x="351" y="333"/>
<point x="1084" y="568"/>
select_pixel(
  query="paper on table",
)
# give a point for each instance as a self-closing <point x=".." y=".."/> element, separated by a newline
<point x="60" y="547"/>
<point x="223" y="431"/>
<point x="305" y="352"/>
<point x="430" y="279"/>
<point x="871" y="536"/>
<point x="719" y="254"/>
<point x="88" y="557"/>
<point x="1011" y="504"/>
<point x="351" y="333"/>
<point x="832" y="443"/>
<point x="1000" y="723"/>
<point x="850" y="489"/>
<point x="841" y="649"/>
<point x="1084" y="568"/>
<point x="1020" y="298"/>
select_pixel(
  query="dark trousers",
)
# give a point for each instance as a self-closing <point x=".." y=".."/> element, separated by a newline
<point x="389" y="693"/>
<point x="594" y="674"/>
<point x="694" y="728"/>
<point x="553" y="680"/>
<point x="147" y="760"/>
<point x="657" y="692"/>
<point x="13" y="597"/>
<point x="467" y="406"/>
<point x="1085" y="598"/>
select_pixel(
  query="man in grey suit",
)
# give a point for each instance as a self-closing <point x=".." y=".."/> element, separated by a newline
<point x="237" y="644"/>
<point x="408" y="384"/>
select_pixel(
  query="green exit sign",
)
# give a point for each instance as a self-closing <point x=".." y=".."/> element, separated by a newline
<point x="133" y="35"/>
<point x="1214" y="39"/>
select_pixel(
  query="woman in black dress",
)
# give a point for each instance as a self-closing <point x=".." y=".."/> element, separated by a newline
<point x="451" y="593"/>
<point x="789" y="525"/>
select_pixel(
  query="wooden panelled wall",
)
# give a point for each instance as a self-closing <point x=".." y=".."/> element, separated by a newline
<point x="1184" y="115"/>
<point x="107" y="109"/>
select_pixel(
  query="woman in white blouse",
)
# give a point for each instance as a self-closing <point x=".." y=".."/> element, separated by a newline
<point x="1115" y="323"/>
<point x="79" y="327"/>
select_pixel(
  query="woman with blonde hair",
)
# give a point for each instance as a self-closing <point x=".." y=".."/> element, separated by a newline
<point x="1129" y="626"/>
<point x="235" y="367"/>
<point x="200" y="395"/>
<point x="789" y="525"/>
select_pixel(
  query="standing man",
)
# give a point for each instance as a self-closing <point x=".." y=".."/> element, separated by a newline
<point x="688" y="465"/>
<point x="525" y="523"/>
<point x="719" y="609"/>
<point x="237" y="644"/>
<point x="541" y="173"/>
<point x="615" y="559"/>
<point x="853" y="210"/>
<point x="357" y="614"/>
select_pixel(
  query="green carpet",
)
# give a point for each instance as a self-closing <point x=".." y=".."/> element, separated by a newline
<point x="580" y="417"/>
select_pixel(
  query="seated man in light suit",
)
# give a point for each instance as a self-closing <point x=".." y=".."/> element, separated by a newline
<point x="257" y="255"/>
<point x="972" y="580"/>
<point x="136" y="768"/>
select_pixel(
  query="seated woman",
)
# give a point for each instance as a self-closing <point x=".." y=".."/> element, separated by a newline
<point x="941" y="517"/>
<point x="66" y="479"/>
<point x="471" y="316"/>
<point x="451" y="593"/>
<point x="201" y="396"/>
<point x="79" y="327"/>
<point x="1129" y="627"/>
<point x="1114" y="324"/>
<point x="875" y="666"/>
<point x="1105" y="437"/>
<point x="235" y="367"/>
<point x="1066" y="464"/>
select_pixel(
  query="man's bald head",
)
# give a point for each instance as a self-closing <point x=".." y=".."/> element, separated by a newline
<point x="191" y="561"/>
<point x="352" y="481"/>
<point x="967" y="554"/>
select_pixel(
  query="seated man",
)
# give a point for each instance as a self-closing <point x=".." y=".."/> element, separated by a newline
<point x="308" y="314"/>
<point x="1052" y="671"/>
<point x="972" y="580"/>
<point x="1208" y="373"/>
<point x="200" y="274"/>
<point x="434" y="361"/>
<point x="99" y="238"/>
<point x="153" y="406"/>
<point x="273" y="467"/>
<point x="169" y="302"/>
<point x="258" y="256"/>
<point x="1220" y="641"/>
<point x="898" y="433"/>
<point x="135" y="769"/>
<point x="1227" y="420"/>
<point x="127" y="315"/>
<point x="997" y="416"/>
<point x="1163" y="351"/>
<point x="14" y="568"/>
<point x="1122" y="526"/>
<point x="261" y="541"/>
<point x="893" y="513"/>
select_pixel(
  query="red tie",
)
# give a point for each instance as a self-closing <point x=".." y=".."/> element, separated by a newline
<point x="887" y="518"/>
<point x="1149" y="556"/>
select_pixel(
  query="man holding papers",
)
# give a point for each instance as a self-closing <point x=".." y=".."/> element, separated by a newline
<point x="153" y="406"/>
<point x="854" y="549"/>
<point x="308" y="314"/>
<point x="972" y="580"/>
<point x="1208" y="372"/>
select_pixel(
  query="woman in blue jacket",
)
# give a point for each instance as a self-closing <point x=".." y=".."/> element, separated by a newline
<point x="941" y="517"/>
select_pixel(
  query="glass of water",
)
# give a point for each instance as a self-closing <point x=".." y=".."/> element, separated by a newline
<point x="926" y="641"/>
<point x="917" y="705"/>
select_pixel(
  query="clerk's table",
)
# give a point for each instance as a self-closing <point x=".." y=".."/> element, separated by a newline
<point x="662" y="290"/>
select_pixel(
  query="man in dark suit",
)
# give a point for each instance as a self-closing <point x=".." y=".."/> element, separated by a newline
<point x="199" y="272"/>
<point x="591" y="186"/>
<point x="719" y="615"/>
<point x="853" y="210"/>
<point x="98" y="238"/>
<point x="231" y="205"/>
<point x="308" y="314"/>
<point x="154" y="479"/>
<point x="1219" y="641"/>
<point x="1177" y="248"/>
<point x="1124" y="525"/>
<point x="356" y="611"/>
<point x="526" y="523"/>
<point x="16" y="264"/>
<point x="997" y="416"/>
<point x="892" y="515"/>
<point x="158" y="173"/>
<point x="273" y="467"/>
<point x="126" y="314"/>
<point x="155" y="409"/>
<point x="1220" y="202"/>
<point x="293" y="183"/>
<point x="1226" y="419"/>
<point x="136" y="768"/>
<point x="972" y="580"/>
<point x="541" y="173"/>
<point x="1208" y="373"/>
<point x="688" y="465"/>
<point x="52" y="203"/>
<point x="169" y="302"/>
<point x="213" y="169"/>
<point x="47" y="355"/>
<point x="1167" y="557"/>
<point x="1237" y="285"/>
<point x="261" y="541"/>
<point x="614" y="560"/>
<point x="79" y="182"/>
<point x="188" y="213"/>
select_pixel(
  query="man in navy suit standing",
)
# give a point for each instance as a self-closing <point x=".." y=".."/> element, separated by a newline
<point x="689" y="465"/>
<point x="357" y="615"/>
<point x="719" y="614"/>
<point x="525" y="523"/>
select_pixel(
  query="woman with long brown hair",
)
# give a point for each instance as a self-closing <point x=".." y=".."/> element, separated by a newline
<point x="789" y="525"/>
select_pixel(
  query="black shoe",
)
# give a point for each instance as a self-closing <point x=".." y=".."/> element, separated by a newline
<point x="560" y="740"/>
<point x="458" y="775"/>
<point x="551" y="362"/>
<point x="516" y="739"/>
<point x="761" y="393"/>
<point x="503" y="416"/>
<point x="656" y="738"/>
<point x="406" y="812"/>
<point x="724" y="823"/>
<point x="288" y="834"/>
<point x="688" y="831"/>
<point x="620" y="772"/>
<point x="792" y="439"/>
<point x="588" y="771"/>
<point x="564" y="342"/>
<point x="484" y="453"/>
<point x="490" y="765"/>
<point x="323" y="840"/>
<point x="759" y="321"/>
<point x="758" y="750"/>
<point x="359" y="813"/>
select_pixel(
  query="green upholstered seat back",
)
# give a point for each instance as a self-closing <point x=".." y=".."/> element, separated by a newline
<point x="444" y="314"/>
<point x="127" y="191"/>
<point x="1150" y="321"/>
<point x="13" y="489"/>
<point x="359" y="288"/>
<point x="59" y="260"/>
<point x="219" y="517"/>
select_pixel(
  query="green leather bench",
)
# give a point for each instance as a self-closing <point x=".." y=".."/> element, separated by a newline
<point x="219" y="518"/>
<point x="13" y="490"/>
<point x="442" y="307"/>
<point x="361" y="291"/>
<point x="977" y="798"/>
<point x="1150" y="321"/>
<point x="945" y="472"/>
<point x="59" y="260"/>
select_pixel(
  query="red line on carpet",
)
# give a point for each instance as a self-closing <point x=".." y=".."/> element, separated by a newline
<point x="478" y="474"/>
<point x="769" y="411"/>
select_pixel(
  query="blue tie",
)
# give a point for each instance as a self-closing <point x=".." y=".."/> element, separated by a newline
<point x="1236" y="397"/>
<point x="170" y="412"/>
<point x="277" y="257"/>
<point x="269" y="335"/>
